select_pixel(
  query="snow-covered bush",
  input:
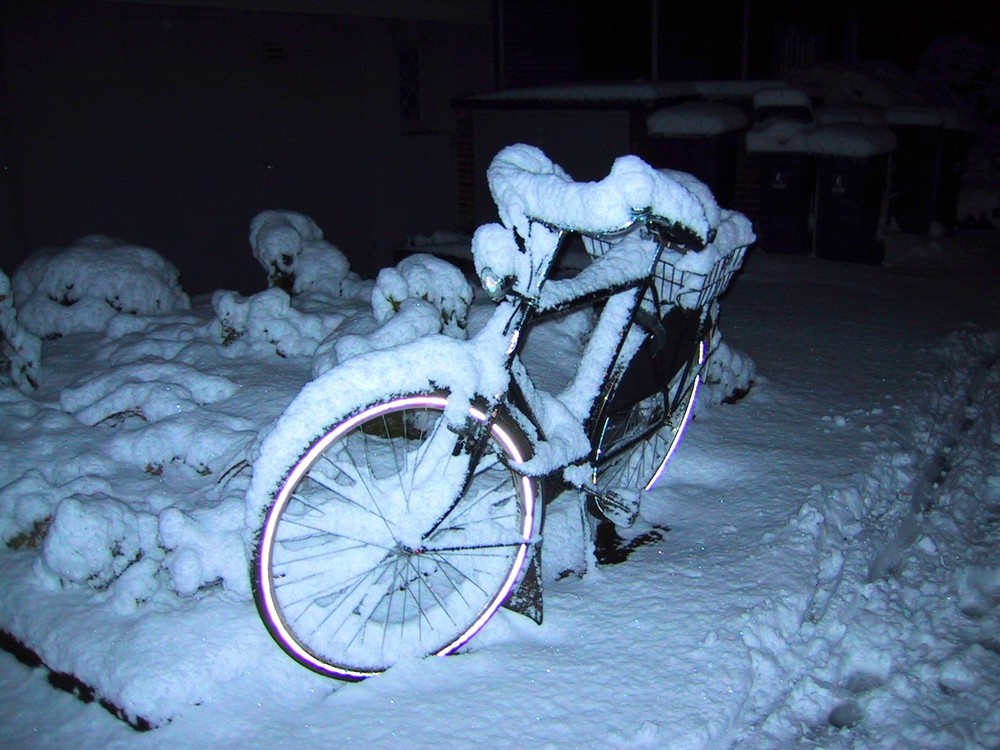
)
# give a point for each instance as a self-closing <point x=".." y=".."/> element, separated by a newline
<point x="268" y="322"/>
<point x="205" y="548"/>
<point x="419" y="296"/>
<point x="93" y="539"/>
<point x="979" y="205"/>
<point x="425" y="277"/>
<point x="59" y="291"/>
<point x="291" y="248"/>
<point x="415" y="318"/>
<point x="150" y="391"/>
<point x="729" y="374"/>
<point x="21" y="348"/>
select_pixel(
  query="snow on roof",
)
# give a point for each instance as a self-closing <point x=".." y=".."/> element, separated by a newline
<point x="915" y="114"/>
<point x="696" y="118"/>
<point x="639" y="91"/>
<point x="927" y="115"/>
<point x="595" y="92"/>
<point x="733" y="89"/>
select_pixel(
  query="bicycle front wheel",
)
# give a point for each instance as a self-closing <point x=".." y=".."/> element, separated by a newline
<point x="386" y="540"/>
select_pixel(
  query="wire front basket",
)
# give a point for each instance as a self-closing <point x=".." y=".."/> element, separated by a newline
<point x="684" y="279"/>
<point x="694" y="288"/>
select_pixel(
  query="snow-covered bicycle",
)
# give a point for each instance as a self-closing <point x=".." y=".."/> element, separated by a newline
<point x="399" y="498"/>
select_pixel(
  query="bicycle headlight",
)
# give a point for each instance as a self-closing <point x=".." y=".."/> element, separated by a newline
<point x="495" y="285"/>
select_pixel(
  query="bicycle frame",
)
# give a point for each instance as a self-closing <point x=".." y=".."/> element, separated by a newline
<point x="613" y="343"/>
<point x="444" y="517"/>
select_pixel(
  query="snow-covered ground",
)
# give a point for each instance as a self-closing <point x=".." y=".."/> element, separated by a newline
<point x="830" y="577"/>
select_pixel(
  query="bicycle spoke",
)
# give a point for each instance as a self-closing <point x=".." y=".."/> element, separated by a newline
<point x="353" y="580"/>
<point x="338" y="492"/>
<point x="285" y="562"/>
<point x="467" y="507"/>
<point x="284" y="540"/>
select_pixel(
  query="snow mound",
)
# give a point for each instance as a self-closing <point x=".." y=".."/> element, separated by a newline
<point x="291" y="248"/>
<point x="205" y="548"/>
<point x="150" y="391"/>
<point x="93" y="540"/>
<point x="21" y="348"/>
<point x="428" y="278"/>
<point x="81" y="288"/>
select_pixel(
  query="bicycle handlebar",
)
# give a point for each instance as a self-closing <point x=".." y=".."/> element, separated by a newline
<point x="529" y="187"/>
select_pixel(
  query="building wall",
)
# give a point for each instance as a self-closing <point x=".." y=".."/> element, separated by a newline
<point x="171" y="127"/>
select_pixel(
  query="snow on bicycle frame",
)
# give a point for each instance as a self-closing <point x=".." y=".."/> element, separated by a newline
<point x="538" y="203"/>
<point x="636" y="223"/>
<point x="537" y="200"/>
<point x="448" y="521"/>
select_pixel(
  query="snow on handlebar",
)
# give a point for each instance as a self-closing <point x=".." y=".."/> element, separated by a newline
<point x="527" y="186"/>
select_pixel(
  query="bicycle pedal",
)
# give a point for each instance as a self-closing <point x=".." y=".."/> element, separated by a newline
<point x="621" y="507"/>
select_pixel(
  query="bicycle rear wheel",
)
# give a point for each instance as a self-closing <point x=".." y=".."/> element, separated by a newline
<point x="385" y="540"/>
<point x="637" y="434"/>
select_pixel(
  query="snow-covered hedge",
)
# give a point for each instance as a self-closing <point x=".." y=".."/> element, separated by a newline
<point x="291" y="248"/>
<point x="59" y="291"/>
<point x="428" y="278"/>
<point x="21" y="348"/>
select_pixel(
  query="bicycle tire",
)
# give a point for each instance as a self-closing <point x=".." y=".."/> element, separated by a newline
<point x="624" y="459"/>
<point x="366" y="556"/>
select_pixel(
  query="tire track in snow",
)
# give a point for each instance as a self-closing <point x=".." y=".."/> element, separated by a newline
<point x="979" y="389"/>
<point x="907" y="591"/>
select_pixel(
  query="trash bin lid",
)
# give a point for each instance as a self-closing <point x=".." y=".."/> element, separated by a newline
<point x="914" y="114"/>
<point x="866" y="114"/>
<point x="853" y="140"/>
<point x="696" y="119"/>
<point x="778" y="136"/>
<point x="783" y="97"/>
<point x="929" y="115"/>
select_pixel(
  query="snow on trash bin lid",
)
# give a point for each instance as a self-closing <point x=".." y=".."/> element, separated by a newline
<point x="696" y="118"/>
<point x="782" y="97"/>
<point x="866" y="114"/>
<point x="778" y="136"/>
<point x="915" y="114"/>
<point x="850" y="139"/>
<point x="928" y="115"/>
